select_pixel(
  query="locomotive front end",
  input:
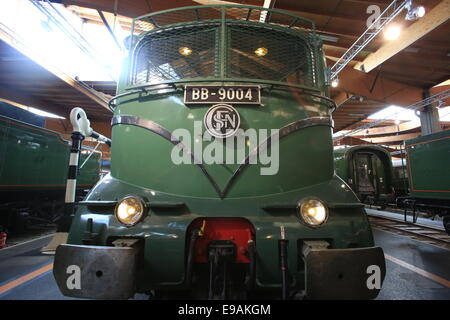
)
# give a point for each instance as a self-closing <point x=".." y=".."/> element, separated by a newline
<point x="222" y="180"/>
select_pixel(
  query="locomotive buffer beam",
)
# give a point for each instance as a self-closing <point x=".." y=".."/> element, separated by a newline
<point x="96" y="272"/>
<point x="341" y="273"/>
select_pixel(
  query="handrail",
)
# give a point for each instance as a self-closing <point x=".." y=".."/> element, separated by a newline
<point x="251" y="9"/>
<point x="173" y="85"/>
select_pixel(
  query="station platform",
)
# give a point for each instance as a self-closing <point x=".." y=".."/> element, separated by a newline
<point x="436" y="224"/>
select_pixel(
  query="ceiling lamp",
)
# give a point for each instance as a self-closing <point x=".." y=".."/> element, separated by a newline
<point x="335" y="82"/>
<point x="416" y="13"/>
<point x="392" y="32"/>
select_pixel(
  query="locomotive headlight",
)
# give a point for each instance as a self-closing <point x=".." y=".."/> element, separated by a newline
<point x="185" y="51"/>
<point x="130" y="210"/>
<point x="312" y="211"/>
<point x="261" y="52"/>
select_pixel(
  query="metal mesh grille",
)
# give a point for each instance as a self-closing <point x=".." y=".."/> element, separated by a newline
<point x="288" y="58"/>
<point x="268" y="54"/>
<point x="183" y="53"/>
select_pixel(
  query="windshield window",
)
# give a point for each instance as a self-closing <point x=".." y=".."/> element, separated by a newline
<point x="262" y="53"/>
<point x="251" y="52"/>
<point x="183" y="53"/>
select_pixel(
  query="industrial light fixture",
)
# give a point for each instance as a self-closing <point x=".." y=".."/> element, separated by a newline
<point x="185" y="51"/>
<point x="261" y="52"/>
<point x="328" y="38"/>
<point x="414" y="14"/>
<point x="392" y="32"/>
<point x="335" y="82"/>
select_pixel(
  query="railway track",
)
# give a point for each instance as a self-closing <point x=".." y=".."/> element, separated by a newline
<point x="419" y="232"/>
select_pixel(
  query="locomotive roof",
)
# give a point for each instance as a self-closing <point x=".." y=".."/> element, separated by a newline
<point x="351" y="149"/>
<point x="220" y="13"/>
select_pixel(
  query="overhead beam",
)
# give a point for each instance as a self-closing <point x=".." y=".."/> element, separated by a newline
<point x="296" y="9"/>
<point x="108" y="27"/>
<point x="341" y="98"/>
<point x="443" y="83"/>
<point x="440" y="88"/>
<point x="378" y="88"/>
<point x="12" y="94"/>
<point x="351" y="141"/>
<point x="393" y="138"/>
<point x="392" y="129"/>
<point x="9" y="37"/>
<point x="437" y="16"/>
<point x="30" y="100"/>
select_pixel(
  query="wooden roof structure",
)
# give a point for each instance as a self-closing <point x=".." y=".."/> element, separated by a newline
<point x="384" y="73"/>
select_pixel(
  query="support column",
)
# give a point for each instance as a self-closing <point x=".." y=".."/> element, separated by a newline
<point x="429" y="118"/>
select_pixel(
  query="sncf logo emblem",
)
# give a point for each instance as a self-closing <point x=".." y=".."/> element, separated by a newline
<point x="222" y="120"/>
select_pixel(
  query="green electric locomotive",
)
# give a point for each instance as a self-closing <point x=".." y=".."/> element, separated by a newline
<point x="222" y="182"/>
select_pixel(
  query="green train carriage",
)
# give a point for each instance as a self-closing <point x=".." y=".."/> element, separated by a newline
<point x="368" y="171"/>
<point x="33" y="173"/>
<point x="213" y="230"/>
<point x="428" y="173"/>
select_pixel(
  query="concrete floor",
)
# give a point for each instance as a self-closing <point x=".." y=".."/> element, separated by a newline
<point x="415" y="271"/>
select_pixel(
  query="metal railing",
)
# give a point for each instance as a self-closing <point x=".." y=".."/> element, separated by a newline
<point x="196" y="14"/>
<point x="220" y="43"/>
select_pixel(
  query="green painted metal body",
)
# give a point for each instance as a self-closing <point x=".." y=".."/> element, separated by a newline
<point x="380" y="164"/>
<point x="428" y="160"/>
<point x="36" y="159"/>
<point x="141" y="165"/>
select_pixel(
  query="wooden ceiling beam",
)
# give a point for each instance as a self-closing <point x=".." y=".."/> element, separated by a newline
<point x="405" y="126"/>
<point x="294" y="8"/>
<point x="378" y="88"/>
<point x="393" y="138"/>
<point x="437" y="16"/>
<point x="369" y="2"/>
<point x="21" y="97"/>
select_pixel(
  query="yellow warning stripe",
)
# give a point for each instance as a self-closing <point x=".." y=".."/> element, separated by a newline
<point x="422" y="272"/>
<point x="17" y="282"/>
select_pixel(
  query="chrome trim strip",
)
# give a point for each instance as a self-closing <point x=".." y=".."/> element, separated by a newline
<point x="166" y="134"/>
<point x="283" y="132"/>
<point x="97" y="203"/>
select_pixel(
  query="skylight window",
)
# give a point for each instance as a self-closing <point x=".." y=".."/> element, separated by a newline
<point x="444" y="114"/>
<point x="74" y="46"/>
<point x="43" y="113"/>
<point x="398" y="113"/>
<point x="395" y="113"/>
